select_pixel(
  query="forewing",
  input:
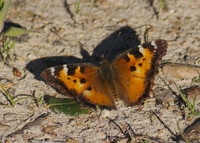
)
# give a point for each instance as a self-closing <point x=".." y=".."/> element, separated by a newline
<point x="136" y="70"/>
<point x="80" y="81"/>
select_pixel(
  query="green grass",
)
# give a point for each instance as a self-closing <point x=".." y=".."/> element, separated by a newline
<point x="182" y="135"/>
<point x="7" y="44"/>
<point x="77" y="7"/>
<point x="162" y="4"/>
<point x="14" y="99"/>
<point x="8" y="96"/>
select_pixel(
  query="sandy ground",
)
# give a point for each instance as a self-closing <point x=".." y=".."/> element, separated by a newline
<point x="57" y="28"/>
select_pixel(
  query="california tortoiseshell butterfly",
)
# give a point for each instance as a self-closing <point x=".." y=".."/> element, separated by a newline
<point x="129" y="77"/>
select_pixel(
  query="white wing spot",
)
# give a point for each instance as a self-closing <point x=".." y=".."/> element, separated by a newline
<point x="153" y="43"/>
<point x="65" y="68"/>
<point x="52" y="71"/>
<point x="140" y="48"/>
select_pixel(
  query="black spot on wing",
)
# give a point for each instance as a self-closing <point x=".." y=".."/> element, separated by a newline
<point x="136" y="53"/>
<point x="83" y="80"/>
<point x="140" y="64"/>
<point x="82" y="69"/>
<point x="71" y="69"/>
<point x="89" y="88"/>
<point x="132" y="68"/>
<point x="149" y="46"/>
<point x="126" y="58"/>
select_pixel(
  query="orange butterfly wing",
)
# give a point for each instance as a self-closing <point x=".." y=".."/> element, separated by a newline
<point x="136" y="69"/>
<point x="80" y="81"/>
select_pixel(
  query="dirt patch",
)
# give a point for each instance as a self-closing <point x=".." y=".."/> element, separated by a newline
<point x="57" y="28"/>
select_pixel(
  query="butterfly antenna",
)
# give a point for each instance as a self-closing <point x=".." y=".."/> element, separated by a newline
<point x="113" y="45"/>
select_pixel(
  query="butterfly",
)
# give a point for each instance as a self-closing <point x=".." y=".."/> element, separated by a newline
<point x="128" y="77"/>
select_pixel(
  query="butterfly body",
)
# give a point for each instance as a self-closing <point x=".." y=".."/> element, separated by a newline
<point x="106" y="71"/>
<point x="129" y="77"/>
<point x="108" y="74"/>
